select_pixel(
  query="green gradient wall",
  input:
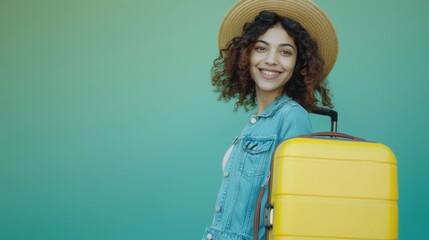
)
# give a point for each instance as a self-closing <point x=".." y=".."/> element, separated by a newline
<point x="109" y="128"/>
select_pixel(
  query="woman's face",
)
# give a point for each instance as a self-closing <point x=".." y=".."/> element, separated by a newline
<point x="272" y="61"/>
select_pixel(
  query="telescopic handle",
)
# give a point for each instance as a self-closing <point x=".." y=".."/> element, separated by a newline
<point x="328" y="112"/>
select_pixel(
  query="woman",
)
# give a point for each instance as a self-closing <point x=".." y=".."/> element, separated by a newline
<point x="274" y="56"/>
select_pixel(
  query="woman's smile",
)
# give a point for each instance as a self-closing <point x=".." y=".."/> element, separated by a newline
<point x="269" y="74"/>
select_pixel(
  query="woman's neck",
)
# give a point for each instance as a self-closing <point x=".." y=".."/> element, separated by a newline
<point x="264" y="99"/>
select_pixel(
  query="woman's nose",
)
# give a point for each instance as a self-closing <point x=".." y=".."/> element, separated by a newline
<point x="271" y="58"/>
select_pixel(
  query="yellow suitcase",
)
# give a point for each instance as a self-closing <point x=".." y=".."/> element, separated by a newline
<point x="332" y="186"/>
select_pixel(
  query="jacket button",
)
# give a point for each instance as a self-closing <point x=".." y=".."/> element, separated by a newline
<point x="217" y="209"/>
<point x="209" y="236"/>
<point x="253" y="120"/>
<point x="226" y="174"/>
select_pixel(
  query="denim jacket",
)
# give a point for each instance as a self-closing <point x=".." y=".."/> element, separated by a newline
<point x="248" y="168"/>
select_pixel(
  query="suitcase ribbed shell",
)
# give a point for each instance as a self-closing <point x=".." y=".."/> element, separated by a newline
<point x="333" y="189"/>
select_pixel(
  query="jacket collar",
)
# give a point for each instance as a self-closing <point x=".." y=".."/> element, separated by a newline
<point x="275" y="105"/>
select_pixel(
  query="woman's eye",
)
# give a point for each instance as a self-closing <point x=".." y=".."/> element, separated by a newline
<point x="260" y="49"/>
<point x="285" y="52"/>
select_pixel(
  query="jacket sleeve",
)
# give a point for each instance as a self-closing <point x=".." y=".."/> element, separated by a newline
<point x="295" y="122"/>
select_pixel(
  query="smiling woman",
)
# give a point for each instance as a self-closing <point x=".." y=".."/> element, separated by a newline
<point x="272" y="42"/>
<point x="275" y="65"/>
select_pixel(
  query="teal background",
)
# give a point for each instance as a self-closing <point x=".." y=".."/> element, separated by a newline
<point x="109" y="128"/>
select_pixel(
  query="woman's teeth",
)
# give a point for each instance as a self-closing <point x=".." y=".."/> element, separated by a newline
<point x="269" y="73"/>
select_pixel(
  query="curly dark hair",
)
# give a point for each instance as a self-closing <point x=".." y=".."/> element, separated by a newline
<point x="231" y="76"/>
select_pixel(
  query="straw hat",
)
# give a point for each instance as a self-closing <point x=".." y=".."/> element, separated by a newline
<point x="307" y="13"/>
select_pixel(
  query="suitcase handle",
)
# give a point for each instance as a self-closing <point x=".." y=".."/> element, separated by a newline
<point x="334" y="135"/>
<point x="328" y="112"/>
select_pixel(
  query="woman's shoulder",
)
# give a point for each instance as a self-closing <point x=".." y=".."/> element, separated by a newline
<point x="291" y="108"/>
<point x="294" y="120"/>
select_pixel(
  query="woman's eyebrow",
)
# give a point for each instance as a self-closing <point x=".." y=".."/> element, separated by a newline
<point x="281" y="45"/>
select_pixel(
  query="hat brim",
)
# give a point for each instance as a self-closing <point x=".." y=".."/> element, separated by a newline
<point x="308" y="14"/>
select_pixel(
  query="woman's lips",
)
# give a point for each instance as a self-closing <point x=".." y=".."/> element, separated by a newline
<point x="269" y="74"/>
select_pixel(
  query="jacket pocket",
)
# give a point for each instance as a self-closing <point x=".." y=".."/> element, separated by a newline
<point x="257" y="154"/>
